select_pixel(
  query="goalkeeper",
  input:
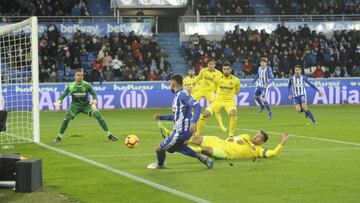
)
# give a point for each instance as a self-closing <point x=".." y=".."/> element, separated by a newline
<point x="79" y="94"/>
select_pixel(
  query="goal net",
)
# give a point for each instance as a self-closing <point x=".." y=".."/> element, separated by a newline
<point x="19" y="84"/>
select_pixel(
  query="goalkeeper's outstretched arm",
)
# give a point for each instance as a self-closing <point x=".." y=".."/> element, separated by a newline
<point x="63" y="95"/>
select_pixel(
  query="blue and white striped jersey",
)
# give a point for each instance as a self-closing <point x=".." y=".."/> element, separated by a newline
<point x="297" y="85"/>
<point x="264" y="77"/>
<point x="182" y="106"/>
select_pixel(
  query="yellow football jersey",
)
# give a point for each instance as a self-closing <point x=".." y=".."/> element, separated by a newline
<point x="206" y="79"/>
<point x="250" y="150"/>
<point x="189" y="83"/>
<point x="227" y="87"/>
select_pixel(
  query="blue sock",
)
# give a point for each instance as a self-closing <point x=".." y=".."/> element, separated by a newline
<point x="259" y="101"/>
<point x="189" y="152"/>
<point x="161" y="158"/>
<point x="267" y="105"/>
<point x="308" y="112"/>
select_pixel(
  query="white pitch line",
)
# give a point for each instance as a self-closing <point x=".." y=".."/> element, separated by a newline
<point x="301" y="136"/>
<point x="127" y="175"/>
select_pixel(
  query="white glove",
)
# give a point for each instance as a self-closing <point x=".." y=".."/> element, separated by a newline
<point x="93" y="105"/>
<point x="57" y="103"/>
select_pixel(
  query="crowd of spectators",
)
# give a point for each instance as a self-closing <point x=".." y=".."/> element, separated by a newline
<point x="116" y="57"/>
<point x="43" y="8"/>
<point x="224" y="7"/>
<point x="337" y="55"/>
<point x="314" y="7"/>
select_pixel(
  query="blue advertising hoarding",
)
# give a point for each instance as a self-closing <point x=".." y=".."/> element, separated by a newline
<point x="122" y="95"/>
<point x="98" y="28"/>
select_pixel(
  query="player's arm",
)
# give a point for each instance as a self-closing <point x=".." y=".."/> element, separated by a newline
<point x="312" y="85"/>
<point x="200" y="76"/>
<point x="255" y="79"/>
<point x="62" y="96"/>
<point x="271" y="77"/>
<point x="93" y="94"/>
<point x="237" y="87"/>
<point x="189" y="101"/>
<point x="289" y="88"/>
<point x="236" y="139"/>
<point x="265" y="153"/>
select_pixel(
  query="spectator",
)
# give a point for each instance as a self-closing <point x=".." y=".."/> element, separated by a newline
<point x="44" y="75"/>
<point x="318" y="73"/>
<point x="108" y="74"/>
<point x="248" y="68"/>
<point x="153" y="76"/>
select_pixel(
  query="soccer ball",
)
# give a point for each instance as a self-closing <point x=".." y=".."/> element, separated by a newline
<point x="131" y="141"/>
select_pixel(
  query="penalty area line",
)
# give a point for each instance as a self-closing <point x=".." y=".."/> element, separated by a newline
<point x="125" y="174"/>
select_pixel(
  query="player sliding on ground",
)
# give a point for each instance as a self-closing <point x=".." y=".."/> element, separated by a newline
<point x="239" y="147"/>
<point x="79" y="90"/>
<point x="242" y="146"/>
<point x="184" y="126"/>
<point x="205" y="87"/>
<point x="266" y="78"/>
<point x="226" y="88"/>
<point x="297" y="87"/>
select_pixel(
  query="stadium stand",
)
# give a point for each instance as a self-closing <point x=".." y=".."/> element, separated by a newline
<point x="226" y="7"/>
<point x="116" y="57"/>
<point x="311" y="7"/>
<point x="320" y="56"/>
<point x="43" y="8"/>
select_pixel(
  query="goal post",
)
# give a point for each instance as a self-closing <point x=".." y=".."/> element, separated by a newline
<point x="19" y="81"/>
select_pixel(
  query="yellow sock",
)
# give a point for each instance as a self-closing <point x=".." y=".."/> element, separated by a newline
<point x="196" y="149"/>
<point x="200" y="125"/>
<point x="233" y="124"/>
<point x="220" y="121"/>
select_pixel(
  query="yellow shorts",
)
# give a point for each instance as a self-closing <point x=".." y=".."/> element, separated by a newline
<point x="197" y="95"/>
<point x="218" y="105"/>
<point x="215" y="142"/>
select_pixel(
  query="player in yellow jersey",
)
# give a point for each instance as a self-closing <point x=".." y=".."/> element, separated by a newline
<point x="189" y="81"/>
<point x="205" y="87"/>
<point x="240" y="147"/>
<point x="227" y="87"/>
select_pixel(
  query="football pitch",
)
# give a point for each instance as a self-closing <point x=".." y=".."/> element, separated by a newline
<point x="318" y="163"/>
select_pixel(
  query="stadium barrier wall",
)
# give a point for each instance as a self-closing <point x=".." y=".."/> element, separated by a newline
<point x="121" y="95"/>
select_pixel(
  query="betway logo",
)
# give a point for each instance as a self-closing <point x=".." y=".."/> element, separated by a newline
<point x="133" y="87"/>
<point x="75" y="27"/>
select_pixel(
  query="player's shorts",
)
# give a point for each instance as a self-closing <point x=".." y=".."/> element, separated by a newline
<point x="175" y="141"/>
<point x="198" y="94"/>
<point x="76" y="109"/>
<point x="215" y="142"/>
<point x="261" y="91"/>
<point x="299" y="100"/>
<point x="218" y="105"/>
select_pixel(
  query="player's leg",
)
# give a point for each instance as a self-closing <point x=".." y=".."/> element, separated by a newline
<point x="308" y="113"/>
<point x="70" y="114"/>
<point x="210" y="98"/>
<point x="266" y="103"/>
<point x="97" y="115"/>
<point x="214" y="107"/>
<point x="163" y="130"/>
<point x="257" y="94"/>
<point x="161" y="151"/>
<point x="233" y="121"/>
<point x="214" y="152"/>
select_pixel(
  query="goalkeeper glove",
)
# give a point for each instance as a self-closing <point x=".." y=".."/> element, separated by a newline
<point x="57" y="103"/>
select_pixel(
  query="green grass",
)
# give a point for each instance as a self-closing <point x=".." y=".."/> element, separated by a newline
<point x="306" y="171"/>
